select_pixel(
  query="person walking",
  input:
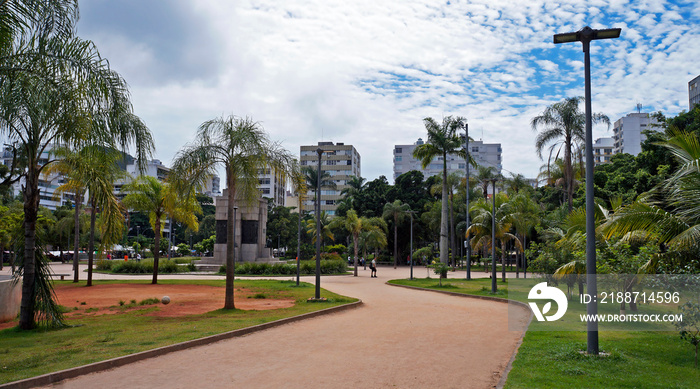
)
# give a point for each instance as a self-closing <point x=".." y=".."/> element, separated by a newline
<point x="373" y="267"/>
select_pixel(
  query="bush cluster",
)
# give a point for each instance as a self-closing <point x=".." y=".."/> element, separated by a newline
<point x="144" y="266"/>
<point x="306" y="268"/>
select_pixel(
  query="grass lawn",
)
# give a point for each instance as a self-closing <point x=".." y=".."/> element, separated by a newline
<point x="551" y="359"/>
<point x="92" y="338"/>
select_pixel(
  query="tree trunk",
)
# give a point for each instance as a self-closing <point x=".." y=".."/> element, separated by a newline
<point x="355" y="238"/>
<point x="517" y="263"/>
<point x="91" y="245"/>
<point x="569" y="182"/>
<point x="443" y="216"/>
<point x="31" y="206"/>
<point x="76" y="239"/>
<point x="396" y="227"/>
<point x="503" y="261"/>
<point x="230" y="240"/>
<point x="452" y="234"/>
<point x="156" y="249"/>
<point x="524" y="257"/>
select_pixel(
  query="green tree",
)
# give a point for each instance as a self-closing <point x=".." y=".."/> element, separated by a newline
<point x="160" y="200"/>
<point x="561" y="125"/>
<point x="443" y="140"/>
<point x="55" y="88"/>
<point x="397" y="212"/>
<point x="242" y="147"/>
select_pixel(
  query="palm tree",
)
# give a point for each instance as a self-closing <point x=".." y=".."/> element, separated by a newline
<point x="354" y="225"/>
<point x="483" y="175"/>
<point x="326" y="232"/>
<point x="55" y="89"/>
<point x="94" y="169"/>
<point x="160" y="200"/>
<point x="242" y="146"/>
<point x="373" y="236"/>
<point x="396" y="211"/>
<point x="443" y="140"/>
<point x="562" y="125"/>
<point x="353" y="191"/>
<point x="482" y="222"/>
<point x="454" y="180"/>
<point x="526" y="214"/>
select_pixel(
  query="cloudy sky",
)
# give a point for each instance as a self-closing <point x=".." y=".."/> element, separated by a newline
<point x="366" y="72"/>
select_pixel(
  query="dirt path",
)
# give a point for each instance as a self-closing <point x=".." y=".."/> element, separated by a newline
<point x="400" y="338"/>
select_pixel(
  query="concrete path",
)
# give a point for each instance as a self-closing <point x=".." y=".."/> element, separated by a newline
<point x="399" y="338"/>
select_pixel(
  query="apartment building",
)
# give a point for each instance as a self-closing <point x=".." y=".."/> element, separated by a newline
<point x="693" y="93"/>
<point x="603" y="150"/>
<point x="272" y="185"/>
<point x="485" y="154"/>
<point x="340" y="161"/>
<point x="627" y="132"/>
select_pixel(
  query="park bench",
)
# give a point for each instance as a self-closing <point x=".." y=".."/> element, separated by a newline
<point x="62" y="275"/>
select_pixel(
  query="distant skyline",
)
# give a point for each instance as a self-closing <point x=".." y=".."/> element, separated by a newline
<point x="366" y="73"/>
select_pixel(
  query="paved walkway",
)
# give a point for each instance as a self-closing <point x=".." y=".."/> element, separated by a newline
<point x="399" y="338"/>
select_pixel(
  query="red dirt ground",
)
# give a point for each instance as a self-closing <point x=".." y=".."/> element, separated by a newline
<point x="184" y="299"/>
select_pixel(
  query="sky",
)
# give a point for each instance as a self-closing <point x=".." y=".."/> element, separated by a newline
<point x="367" y="72"/>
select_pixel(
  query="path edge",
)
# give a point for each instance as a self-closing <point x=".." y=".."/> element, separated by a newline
<point x="504" y="376"/>
<point x="58" y="376"/>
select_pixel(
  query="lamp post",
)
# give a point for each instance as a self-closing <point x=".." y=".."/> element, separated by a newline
<point x="585" y="36"/>
<point x="235" y="208"/>
<point x="299" y="245"/>
<point x="494" y="288"/>
<point x="318" y="226"/>
<point x="469" y="246"/>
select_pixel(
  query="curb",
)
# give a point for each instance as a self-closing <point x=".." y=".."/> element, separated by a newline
<point x="504" y="376"/>
<point x="55" y="377"/>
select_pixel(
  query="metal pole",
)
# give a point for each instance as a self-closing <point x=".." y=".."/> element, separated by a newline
<point x="318" y="226"/>
<point x="235" y="208"/>
<point x="493" y="239"/>
<point x="469" y="246"/>
<point x="592" y="307"/>
<point x="411" y="252"/>
<point x="299" y="245"/>
<point x="170" y="236"/>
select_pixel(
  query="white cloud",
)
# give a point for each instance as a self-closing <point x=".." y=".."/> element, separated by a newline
<point x="367" y="72"/>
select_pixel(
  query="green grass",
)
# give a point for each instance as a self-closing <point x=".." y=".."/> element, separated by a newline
<point x="552" y="359"/>
<point x="93" y="338"/>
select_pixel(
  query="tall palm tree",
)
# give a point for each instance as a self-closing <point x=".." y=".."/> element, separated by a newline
<point x="353" y="225"/>
<point x="326" y="232"/>
<point x="483" y="175"/>
<point x="396" y="211"/>
<point x="482" y="223"/>
<point x="454" y="180"/>
<point x="525" y="216"/>
<point x="353" y="191"/>
<point x="373" y="237"/>
<point x="160" y="200"/>
<point x="242" y="147"/>
<point x="56" y="89"/>
<point x="562" y="125"/>
<point x="94" y="169"/>
<point x="442" y="141"/>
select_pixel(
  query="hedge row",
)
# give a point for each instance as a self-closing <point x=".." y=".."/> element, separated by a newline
<point x="144" y="266"/>
<point x="306" y="268"/>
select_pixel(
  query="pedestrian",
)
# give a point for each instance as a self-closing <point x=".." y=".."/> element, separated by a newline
<point x="373" y="267"/>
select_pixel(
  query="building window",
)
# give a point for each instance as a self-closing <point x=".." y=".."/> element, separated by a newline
<point x="475" y="149"/>
<point x="462" y="166"/>
<point x="330" y="202"/>
<point x="399" y="159"/>
<point x="398" y="150"/>
<point x="332" y="163"/>
<point x="265" y="191"/>
<point x="264" y="181"/>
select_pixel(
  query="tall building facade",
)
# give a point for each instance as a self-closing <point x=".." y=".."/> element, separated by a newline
<point x="272" y="185"/>
<point x="628" y="134"/>
<point x="341" y="162"/>
<point x="693" y="93"/>
<point x="485" y="154"/>
<point x="602" y="150"/>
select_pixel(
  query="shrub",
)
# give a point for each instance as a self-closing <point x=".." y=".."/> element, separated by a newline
<point x="331" y="257"/>
<point x="103" y="264"/>
<point x="306" y="267"/>
<point x="144" y="267"/>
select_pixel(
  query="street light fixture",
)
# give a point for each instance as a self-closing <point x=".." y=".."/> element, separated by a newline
<point x="585" y="36"/>
<point x="466" y="159"/>
<point x="493" y="236"/>
<point x="319" y="151"/>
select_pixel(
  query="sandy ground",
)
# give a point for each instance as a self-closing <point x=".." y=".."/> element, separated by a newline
<point x="399" y="338"/>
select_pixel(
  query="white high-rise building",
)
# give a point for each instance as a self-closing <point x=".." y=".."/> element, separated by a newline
<point x="485" y="154"/>
<point x="272" y="185"/>
<point x="628" y="132"/>
<point x="603" y="150"/>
